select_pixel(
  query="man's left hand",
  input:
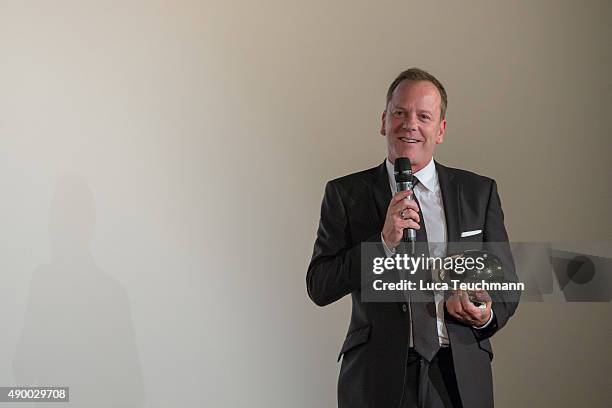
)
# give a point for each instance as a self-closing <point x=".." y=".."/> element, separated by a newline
<point x="460" y="307"/>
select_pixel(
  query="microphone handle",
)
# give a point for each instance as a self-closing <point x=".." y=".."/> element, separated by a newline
<point x="409" y="233"/>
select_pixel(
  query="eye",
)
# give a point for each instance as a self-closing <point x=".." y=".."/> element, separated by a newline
<point x="397" y="113"/>
<point x="425" y="116"/>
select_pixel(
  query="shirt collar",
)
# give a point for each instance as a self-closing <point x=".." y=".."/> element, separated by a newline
<point x="428" y="176"/>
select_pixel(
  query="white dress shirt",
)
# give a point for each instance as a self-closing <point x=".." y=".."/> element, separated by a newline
<point x="428" y="193"/>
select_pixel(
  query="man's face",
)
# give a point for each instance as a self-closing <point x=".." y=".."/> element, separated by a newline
<point x="411" y="123"/>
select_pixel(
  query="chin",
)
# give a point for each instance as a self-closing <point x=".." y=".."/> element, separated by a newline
<point x="414" y="157"/>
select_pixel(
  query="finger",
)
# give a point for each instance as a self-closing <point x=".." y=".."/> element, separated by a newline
<point x="464" y="305"/>
<point x="408" y="214"/>
<point x="409" y="205"/>
<point x="467" y="305"/>
<point x="481" y="295"/>
<point x="402" y="205"/>
<point x="452" y="298"/>
<point x="466" y="312"/>
<point x="453" y="305"/>
<point x="400" y="225"/>
<point x="453" y="313"/>
<point x="462" y="316"/>
<point x="403" y="224"/>
<point x="400" y="195"/>
<point x="474" y="312"/>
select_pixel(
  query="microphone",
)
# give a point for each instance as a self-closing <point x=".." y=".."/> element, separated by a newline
<point x="402" y="171"/>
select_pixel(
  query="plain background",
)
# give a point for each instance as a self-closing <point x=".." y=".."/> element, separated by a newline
<point x="162" y="165"/>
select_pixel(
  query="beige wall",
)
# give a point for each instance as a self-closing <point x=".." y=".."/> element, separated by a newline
<point x="163" y="163"/>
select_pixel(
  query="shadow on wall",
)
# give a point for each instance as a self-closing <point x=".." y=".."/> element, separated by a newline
<point x="78" y="329"/>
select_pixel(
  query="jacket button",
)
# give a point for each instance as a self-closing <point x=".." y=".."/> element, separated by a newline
<point x="404" y="307"/>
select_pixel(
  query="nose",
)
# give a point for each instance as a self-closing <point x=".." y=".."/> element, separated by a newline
<point x="409" y="123"/>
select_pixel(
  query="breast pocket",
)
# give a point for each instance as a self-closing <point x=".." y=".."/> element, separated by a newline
<point x="470" y="239"/>
<point x="471" y="234"/>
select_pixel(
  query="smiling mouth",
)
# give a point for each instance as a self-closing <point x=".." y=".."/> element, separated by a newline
<point x="409" y="140"/>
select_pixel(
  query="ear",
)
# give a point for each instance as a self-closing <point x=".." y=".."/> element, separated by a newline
<point x="383" y="129"/>
<point x="440" y="137"/>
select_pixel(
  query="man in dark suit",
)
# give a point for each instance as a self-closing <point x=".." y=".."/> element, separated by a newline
<point x="409" y="354"/>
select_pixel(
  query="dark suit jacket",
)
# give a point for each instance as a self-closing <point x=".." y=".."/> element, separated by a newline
<point x="375" y="349"/>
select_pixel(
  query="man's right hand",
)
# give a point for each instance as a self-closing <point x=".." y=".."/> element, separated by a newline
<point x="401" y="214"/>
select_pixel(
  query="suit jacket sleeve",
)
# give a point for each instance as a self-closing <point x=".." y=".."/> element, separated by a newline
<point x="335" y="267"/>
<point x="504" y="302"/>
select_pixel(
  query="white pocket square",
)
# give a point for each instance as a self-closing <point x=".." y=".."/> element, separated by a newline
<point x="470" y="233"/>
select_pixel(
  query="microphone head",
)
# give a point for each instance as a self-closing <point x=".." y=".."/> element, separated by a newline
<point x="402" y="170"/>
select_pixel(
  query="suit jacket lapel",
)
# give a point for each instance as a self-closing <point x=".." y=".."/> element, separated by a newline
<point x="381" y="191"/>
<point x="451" y="192"/>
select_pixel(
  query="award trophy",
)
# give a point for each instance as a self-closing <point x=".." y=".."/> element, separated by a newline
<point x="487" y="268"/>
